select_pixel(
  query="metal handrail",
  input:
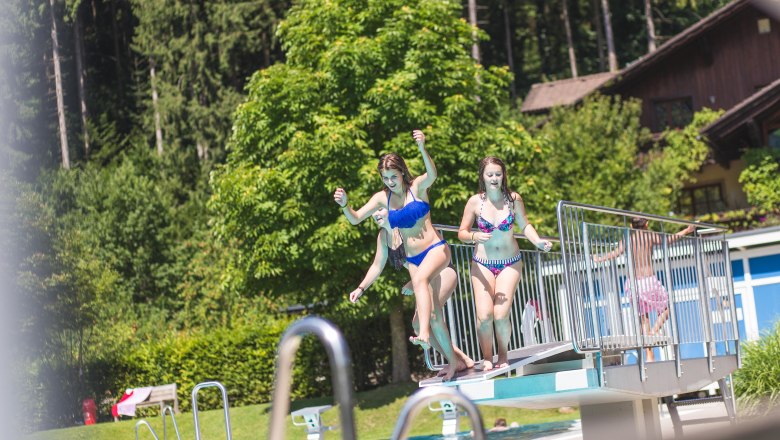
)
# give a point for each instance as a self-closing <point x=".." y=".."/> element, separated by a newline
<point x="145" y="423"/>
<point x="420" y="400"/>
<point x="594" y="293"/>
<point x="225" y="405"/>
<point x="341" y="370"/>
<point x="169" y="410"/>
<point x="605" y="210"/>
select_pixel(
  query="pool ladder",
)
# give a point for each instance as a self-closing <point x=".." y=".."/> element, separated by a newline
<point x="341" y="373"/>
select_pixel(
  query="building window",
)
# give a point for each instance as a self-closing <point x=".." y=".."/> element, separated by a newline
<point x="702" y="200"/>
<point x="773" y="139"/>
<point x="673" y="113"/>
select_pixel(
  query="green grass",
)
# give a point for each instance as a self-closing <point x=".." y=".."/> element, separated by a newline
<point x="375" y="415"/>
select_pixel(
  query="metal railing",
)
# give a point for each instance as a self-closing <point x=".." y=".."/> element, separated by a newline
<point x="340" y="366"/>
<point x="420" y="400"/>
<point x="225" y="406"/>
<point x="615" y="277"/>
<point x="536" y="314"/>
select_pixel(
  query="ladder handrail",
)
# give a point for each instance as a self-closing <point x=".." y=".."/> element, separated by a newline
<point x="225" y="404"/>
<point x="420" y="399"/>
<point x="341" y="370"/>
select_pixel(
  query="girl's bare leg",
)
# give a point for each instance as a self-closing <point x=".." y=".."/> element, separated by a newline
<point x="435" y="261"/>
<point x="484" y="284"/>
<point x="649" y="355"/>
<point x="506" y="285"/>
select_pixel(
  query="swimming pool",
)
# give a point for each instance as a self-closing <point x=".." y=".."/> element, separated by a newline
<point x="521" y="433"/>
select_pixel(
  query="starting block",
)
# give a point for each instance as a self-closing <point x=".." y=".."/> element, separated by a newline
<point x="310" y="418"/>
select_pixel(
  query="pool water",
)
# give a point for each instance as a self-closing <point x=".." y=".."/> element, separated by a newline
<point x="521" y="433"/>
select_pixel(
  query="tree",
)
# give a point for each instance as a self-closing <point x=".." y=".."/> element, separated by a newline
<point x="761" y="178"/>
<point x="650" y="26"/>
<point x="359" y="76"/>
<point x="569" y="42"/>
<point x="55" y="49"/>
<point x="613" y="64"/>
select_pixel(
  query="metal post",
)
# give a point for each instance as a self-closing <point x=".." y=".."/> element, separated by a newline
<point x="672" y="312"/>
<point x="732" y="299"/>
<point x="705" y="299"/>
<point x="145" y="423"/>
<point x="420" y="399"/>
<point x="225" y="405"/>
<point x="542" y="297"/>
<point x="567" y="267"/>
<point x="340" y="366"/>
<point x="591" y="287"/>
<point x="640" y="352"/>
<point x="169" y="410"/>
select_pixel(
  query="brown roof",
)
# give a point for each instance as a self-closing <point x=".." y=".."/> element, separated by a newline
<point x="544" y="96"/>
<point x="679" y="40"/>
<point x="758" y="104"/>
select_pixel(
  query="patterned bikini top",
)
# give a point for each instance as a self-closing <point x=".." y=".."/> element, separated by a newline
<point x="487" y="227"/>
<point x="407" y="216"/>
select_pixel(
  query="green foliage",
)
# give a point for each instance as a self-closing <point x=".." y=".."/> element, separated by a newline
<point x="360" y="75"/>
<point x="761" y="178"/>
<point x="592" y="155"/>
<point x="670" y="165"/>
<point x="744" y="219"/>
<point x="757" y="383"/>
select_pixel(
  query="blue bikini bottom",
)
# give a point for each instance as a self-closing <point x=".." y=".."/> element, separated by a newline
<point x="417" y="259"/>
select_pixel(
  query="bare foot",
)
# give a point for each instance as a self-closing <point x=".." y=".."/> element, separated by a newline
<point x="419" y="340"/>
<point x="449" y="375"/>
<point x="466" y="361"/>
<point x="502" y="365"/>
<point x="487" y="365"/>
<point x="443" y="371"/>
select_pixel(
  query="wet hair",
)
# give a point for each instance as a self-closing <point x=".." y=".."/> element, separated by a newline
<point x="491" y="160"/>
<point x="500" y="422"/>
<point x="638" y="223"/>
<point x="392" y="161"/>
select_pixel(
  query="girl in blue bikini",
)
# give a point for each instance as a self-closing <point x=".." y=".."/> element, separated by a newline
<point x="406" y="199"/>
<point x="496" y="265"/>
<point x="389" y="247"/>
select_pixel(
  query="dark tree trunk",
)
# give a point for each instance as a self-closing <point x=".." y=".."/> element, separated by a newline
<point x="55" y="49"/>
<point x="80" y="74"/>
<point x="510" y="57"/>
<point x="398" y="339"/>
<point x="650" y="26"/>
<point x="599" y="35"/>
<point x="569" y="41"/>
<point x="613" y="65"/>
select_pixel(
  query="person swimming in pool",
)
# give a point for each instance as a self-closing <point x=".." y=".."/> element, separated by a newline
<point x="406" y="199"/>
<point x="496" y="265"/>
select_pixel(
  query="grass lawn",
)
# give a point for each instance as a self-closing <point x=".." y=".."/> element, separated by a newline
<point x="375" y="415"/>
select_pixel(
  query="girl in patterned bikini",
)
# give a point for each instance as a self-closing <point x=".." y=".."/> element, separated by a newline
<point x="496" y="265"/>
<point x="389" y="247"/>
<point x="406" y="199"/>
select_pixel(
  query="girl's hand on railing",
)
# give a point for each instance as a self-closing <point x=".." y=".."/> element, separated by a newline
<point x="340" y="196"/>
<point x="357" y="293"/>
<point x="544" y="245"/>
<point x="481" y="237"/>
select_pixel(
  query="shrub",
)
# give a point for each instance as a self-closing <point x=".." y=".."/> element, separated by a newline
<point x="757" y="384"/>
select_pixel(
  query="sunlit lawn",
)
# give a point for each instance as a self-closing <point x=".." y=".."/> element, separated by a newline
<point x="375" y="415"/>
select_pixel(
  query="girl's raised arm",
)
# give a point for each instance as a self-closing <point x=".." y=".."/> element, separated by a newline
<point x="426" y="179"/>
<point x="374" y="203"/>
<point x="380" y="259"/>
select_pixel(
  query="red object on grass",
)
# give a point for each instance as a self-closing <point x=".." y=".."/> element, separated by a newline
<point x="89" y="409"/>
<point x="114" y="409"/>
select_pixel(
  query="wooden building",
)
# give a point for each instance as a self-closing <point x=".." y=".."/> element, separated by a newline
<point x="730" y="60"/>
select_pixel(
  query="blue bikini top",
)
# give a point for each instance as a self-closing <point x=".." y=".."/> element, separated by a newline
<point x="407" y="216"/>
